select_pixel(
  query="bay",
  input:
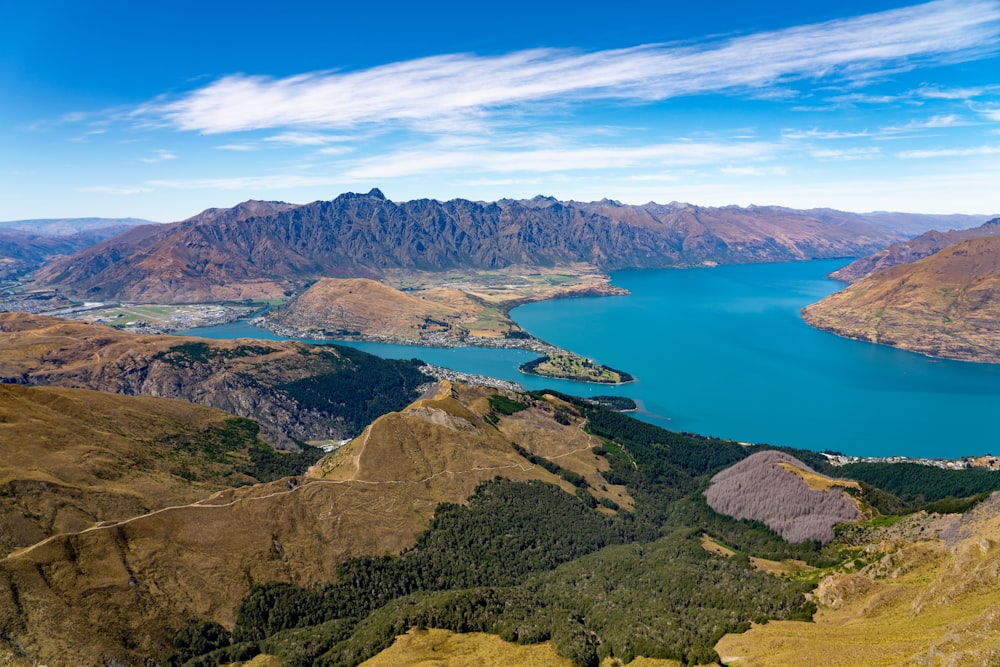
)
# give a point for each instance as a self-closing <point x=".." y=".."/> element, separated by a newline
<point x="723" y="352"/>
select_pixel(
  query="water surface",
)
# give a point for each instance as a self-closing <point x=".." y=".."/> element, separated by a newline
<point x="724" y="352"/>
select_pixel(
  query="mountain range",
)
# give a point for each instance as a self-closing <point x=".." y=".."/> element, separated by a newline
<point x="911" y="250"/>
<point x="27" y="244"/>
<point x="273" y="249"/>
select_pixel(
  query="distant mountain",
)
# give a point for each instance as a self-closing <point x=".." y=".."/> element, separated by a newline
<point x="71" y="226"/>
<point x="785" y="494"/>
<point x="944" y="305"/>
<point x="913" y="224"/>
<point x="27" y="244"/>
<point x="910" y="251"/>
<point x="268" y="249"/>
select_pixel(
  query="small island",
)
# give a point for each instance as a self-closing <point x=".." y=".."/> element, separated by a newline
<point x="573" y="367"/>
<point x="616" y="403"/>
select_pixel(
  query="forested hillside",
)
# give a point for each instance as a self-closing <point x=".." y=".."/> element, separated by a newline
<point x="531" y="563"/>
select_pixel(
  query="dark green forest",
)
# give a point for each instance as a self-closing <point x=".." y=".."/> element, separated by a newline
<point x="918" y="484"/>
<point x="366" y="389"/>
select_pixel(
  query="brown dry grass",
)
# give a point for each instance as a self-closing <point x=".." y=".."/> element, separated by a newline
<point x="72" y="457"/>
<point x="776" y="568"/>
<point x="782" y="568"/>
<point x="818" y="482"/>
<point x="713" y="547"/>
<point x="424" y="648"/>
<point x="944" y="305"/>
<point x="921" y="603"/>
<point x="371" y="308"/>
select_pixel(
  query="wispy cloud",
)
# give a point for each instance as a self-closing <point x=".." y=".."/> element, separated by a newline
<point x="847" y="154"/>
<point x="936" y="93"/>
<point x="160" y="155"/>
<point x="988" y="111"/>
<point x="115" y="190"/>
<point x="754" y="171"/>
<point x="306" y="139"/>
<point x="823" y="134"/>
<point x="239" y="148"/>
<point x="454" y="88"/>
<point x="934" y="122"/>
<point x="679" y="154"/>
<point x="250" y="183"/>
<point x="949" y="152"/>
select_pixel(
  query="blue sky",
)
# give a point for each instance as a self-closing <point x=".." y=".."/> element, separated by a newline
<point x="160" y="110"/>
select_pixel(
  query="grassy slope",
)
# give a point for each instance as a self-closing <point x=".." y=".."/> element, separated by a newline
<point x="918" y="602"/>
<point x="364" y="307"/>
<point x="422" y="648"/>
<point x="73" y="457"/>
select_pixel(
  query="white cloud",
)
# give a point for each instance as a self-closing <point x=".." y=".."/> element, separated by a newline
<point x="949" y="152"/>
<point x="250" y="183"/>
<point x="823" y="134"/>
<point x="115" y="190"/>
<point x="936" y="93"/>
<point x="239" y="148"/>
<point x="754" y="171"/>
<point x="989" y="111"/>
<point x="439" y="159"/>
<point x="306" y="139"/>
<point x="455" y="89"/>
<point x="161" y="155"/>
<point x="847" y="154"/>
<point x="934" y="122"/>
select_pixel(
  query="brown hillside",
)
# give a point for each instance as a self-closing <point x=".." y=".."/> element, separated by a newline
<point x="239" y="376"/>
<point x="70" y="458"/>
<point x="918" y="601"/>
<point x="121" y="592"/>
<point x="910" y="251"/>
<point x="946" y="305"/>
<point x="265" y="252"/>
<point x="362" y="307"/>
<point x="783" y="493"/>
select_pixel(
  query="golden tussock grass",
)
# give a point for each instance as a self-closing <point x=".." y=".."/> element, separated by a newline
<point x="441" y="648"/>
<point x="921" y="603"/>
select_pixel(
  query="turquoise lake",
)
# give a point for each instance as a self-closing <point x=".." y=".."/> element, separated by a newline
<point x="724" y="352"/>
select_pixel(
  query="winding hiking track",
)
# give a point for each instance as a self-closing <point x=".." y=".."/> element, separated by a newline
<point x="294" y="488"/>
